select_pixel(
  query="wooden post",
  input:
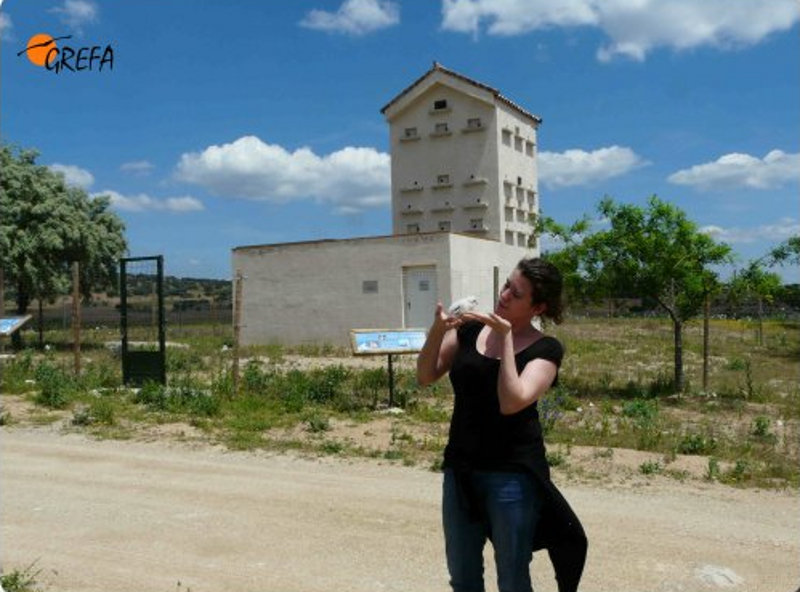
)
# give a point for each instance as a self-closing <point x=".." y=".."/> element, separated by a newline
<point x="41" y="323"/>
<point x="76" y="316"/>
<point x="495" y="285"/>
<point x="237" y="326"/>
<point x="706" y="315"/>
<point x="391" y="382"/>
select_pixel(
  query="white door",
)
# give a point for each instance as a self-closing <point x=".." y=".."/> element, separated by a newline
<point x="420" y="295"/>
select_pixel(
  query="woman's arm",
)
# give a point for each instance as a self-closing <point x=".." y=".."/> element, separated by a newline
<point x="440" y="347"/>
<point x="517" y="391"/>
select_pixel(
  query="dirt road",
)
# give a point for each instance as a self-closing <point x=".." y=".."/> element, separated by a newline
<point x="165" y="517"/>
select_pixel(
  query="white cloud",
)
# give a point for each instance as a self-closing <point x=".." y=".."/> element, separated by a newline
<point x="143" y="203"/>
<point x="76" y="13"/>
<point x="5" y="27"/>
<point x="350" y="179"/>
<point x="138" y="167"/>
<point x="578" y="167"/>
<point x="634" y="27"/>
<point x="737" y="170"/>
<point x="773" y="233"/>
<point x="355" y="17"/>
<point x="73" y="175"/>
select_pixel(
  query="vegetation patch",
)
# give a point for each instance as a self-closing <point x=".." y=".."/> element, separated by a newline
<point x="743" y="431"/>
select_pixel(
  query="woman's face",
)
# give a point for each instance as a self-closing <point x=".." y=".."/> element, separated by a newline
<point x="514" y="301"/>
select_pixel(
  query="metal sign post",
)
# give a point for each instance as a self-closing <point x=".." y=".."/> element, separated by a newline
<point x="373" y="342"/>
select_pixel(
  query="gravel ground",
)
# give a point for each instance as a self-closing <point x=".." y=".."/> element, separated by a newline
<point x="170" y="517"/>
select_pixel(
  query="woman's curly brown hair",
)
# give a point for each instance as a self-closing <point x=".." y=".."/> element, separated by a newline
<point x="547" y="284"/>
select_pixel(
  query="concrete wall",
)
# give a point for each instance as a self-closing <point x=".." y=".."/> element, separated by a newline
<point x="313" y="292"/>
<point x="492" y="169"/>
<point x="517" y="173"/>
<point x="464" y="155"/>
<point x="472" y="266"/>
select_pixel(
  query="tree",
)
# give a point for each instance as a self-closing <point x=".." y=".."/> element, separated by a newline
<point x="754" y="282"/>
<point x="46" y="225"/>
<point x="786" y="252"/>
<point x="655" y="253"/>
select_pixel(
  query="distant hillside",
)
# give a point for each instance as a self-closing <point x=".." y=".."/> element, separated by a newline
<point x="181" y="287"/>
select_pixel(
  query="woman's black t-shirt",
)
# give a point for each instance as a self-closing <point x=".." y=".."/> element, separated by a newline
<point x="482" y="438"/>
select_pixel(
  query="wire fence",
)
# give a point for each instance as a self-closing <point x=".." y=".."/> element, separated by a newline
<point x="207" y="317"/>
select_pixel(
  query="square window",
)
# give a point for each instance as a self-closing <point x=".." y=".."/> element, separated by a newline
<point x="410" y="132"/>
<point x="474" y="123"/>
<point x="412" y="228"/>
<point x="444" y="225"/>
<point x="369" y="287"/>
<point x="441" y="128"/>
<point x="440" y="104"/>
<point x="443" y="179"/>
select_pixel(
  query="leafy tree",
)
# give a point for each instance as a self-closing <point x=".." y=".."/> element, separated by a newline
<point x="46" y="225"/>
<point x="568" y="258"/>
<point x="786" y="252"/>
<point x="755" y="282"/>
<point x="654" y="252"/>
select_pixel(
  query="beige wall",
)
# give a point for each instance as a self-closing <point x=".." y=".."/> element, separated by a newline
<point x="501" y="153"/>
<point x="313" y="292"/>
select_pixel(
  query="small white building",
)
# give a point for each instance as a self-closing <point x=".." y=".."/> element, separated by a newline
<point x="464" y="186"/>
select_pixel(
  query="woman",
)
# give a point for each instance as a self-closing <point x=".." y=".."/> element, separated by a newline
<point x="496" y="479"/>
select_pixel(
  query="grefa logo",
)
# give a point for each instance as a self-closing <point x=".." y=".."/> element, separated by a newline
<point x="43" y="51"/>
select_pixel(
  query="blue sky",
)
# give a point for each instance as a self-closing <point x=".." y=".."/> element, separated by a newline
<point x="236" y="122"/>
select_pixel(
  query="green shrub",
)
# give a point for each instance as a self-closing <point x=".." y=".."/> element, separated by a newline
<point x="16" y="371"/>
<point x="713" y="471"/>
<point x="318" y="423"/>
<point x="368" y="385"/>
<point x="650" y="467"/>
<point x="693" y="443"/>
<point x="324" y="384"/>
<point x="153" y="395"/>
<point x="56" y="387"/>
<point x="642" y="410"/>
<point x="292" y="390"/>
<point x="102" y="374"/>
<point x="184" y="360"/>
<point x="735" y="364"/>
<point x="254" y="379"/>
<point x="20" y="580"/>
<point x="761" y="426"/>
<point x="555" y="458"/>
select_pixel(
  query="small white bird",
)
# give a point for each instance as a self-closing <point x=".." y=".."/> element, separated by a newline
<point x="459" y="307"/>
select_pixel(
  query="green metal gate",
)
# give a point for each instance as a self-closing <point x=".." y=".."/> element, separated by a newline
<point x="142" y="306"/>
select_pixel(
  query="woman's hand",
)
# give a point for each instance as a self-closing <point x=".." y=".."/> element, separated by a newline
<point x="440" y="347"/>
<point x="444" y="321"/>
<point x="494" y="321"/>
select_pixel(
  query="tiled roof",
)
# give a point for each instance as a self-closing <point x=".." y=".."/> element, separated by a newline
<point x="496" y="93"/>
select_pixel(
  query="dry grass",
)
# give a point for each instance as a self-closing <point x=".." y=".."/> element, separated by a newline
<point x="615" y="395"/>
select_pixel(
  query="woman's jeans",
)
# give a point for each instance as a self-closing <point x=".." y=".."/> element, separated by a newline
<point x="506" y="510"/>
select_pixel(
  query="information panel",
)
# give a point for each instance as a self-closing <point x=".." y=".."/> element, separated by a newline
<point x="9" y="325"/>
<point x="387" y="341"/>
